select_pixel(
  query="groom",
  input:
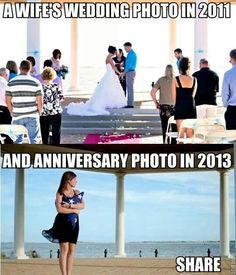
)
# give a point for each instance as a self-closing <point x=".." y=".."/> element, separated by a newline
<point x="130" y="66"/>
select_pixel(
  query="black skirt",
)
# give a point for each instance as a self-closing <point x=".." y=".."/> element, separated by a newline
<point x="65" y="229"/>
<point x="185" y="104"/>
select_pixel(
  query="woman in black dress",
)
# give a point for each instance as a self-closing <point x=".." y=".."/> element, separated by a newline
<point x="120" y="65"/>
<point x="184" y="89"/>
<point x="65" y="229"/>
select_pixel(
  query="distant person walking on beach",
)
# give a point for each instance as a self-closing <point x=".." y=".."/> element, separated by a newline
<point x="140" y="253"/>
<point x="105" y="253"/>
<point x="208" y="252"/>
<point x="65" y="229"/>
<point x="50" y="254"/>
<point x="58" y="253"/>
<point x="34" y="254"/>
<point x="156" y="253"/>
<point x="130" y="66"/>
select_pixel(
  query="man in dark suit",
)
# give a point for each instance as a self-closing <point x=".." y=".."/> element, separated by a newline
<point x="207" y="84"/>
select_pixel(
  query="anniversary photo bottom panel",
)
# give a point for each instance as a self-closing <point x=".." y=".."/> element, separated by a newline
<point x="95" y="209"/>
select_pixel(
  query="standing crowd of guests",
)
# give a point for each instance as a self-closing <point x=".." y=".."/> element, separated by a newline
<point x="33" y="99"/>
<point x="194" y="96"/>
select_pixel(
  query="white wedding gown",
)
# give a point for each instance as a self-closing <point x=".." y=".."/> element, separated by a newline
<point x="107" y="95"/>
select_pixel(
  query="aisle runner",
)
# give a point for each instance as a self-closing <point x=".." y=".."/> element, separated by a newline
<point x="117" y="139"/>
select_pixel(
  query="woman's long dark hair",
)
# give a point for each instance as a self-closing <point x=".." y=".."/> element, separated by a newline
<point x="69" y="175"/>
<point x="184" y="65"/>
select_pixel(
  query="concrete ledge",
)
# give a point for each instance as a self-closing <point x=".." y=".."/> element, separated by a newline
<point x="103" y="131"/>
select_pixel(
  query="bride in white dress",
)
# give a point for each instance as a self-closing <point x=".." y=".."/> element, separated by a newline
<point x="107" y="95"/>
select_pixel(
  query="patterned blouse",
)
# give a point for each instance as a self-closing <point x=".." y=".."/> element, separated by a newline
<point x="52" y="99"/>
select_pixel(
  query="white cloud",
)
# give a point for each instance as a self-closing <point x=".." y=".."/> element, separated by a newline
<point x="101" y="194"/>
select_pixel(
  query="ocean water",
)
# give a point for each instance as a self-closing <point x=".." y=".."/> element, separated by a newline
<point x="88" y="77"/>
<point x="96" y="250"/>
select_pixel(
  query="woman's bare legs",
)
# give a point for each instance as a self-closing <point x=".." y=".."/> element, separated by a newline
<point x="178" y="123"/>
<point x="70" y="258"/>
<point x="64" y="248"/>
<point x="189" y="132"/>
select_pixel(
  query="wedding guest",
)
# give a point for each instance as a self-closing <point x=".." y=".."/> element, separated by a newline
<point x="229" y="93"/>
<point x="207" y="87"/>
<point x="61" y="70"/>
<point x="166" y="102"/>
<point x="24" y="101"/>
<point x="178" y="55"/>
<point x="5" y="116"/>
<point x="51" y="114"/>
<point x="57" y="80"/>
<point x="56" y="56"/>
<point x="130" y="66"/>
<point x="13" y="69"/>
<point x="119" y="60"/>
<point x="183" y="90"/>
<point x="31" y="59"/>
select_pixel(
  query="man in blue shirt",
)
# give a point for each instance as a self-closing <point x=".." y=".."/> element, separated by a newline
<point x="178" y="55"/>
<point x="130" y="66"/>
<point x="229" y="93"/>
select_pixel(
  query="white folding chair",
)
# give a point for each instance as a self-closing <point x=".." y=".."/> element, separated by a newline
<point x="190" y="123"/>
<point x="13" y="131"/>
<point x="217" y="120"/>
<point x="206" y="111"/>
<point x="221" y="111"/>
<point x="200" y="127"/>
<point x="169" y="133"/>
<point x="220" y="137"/>
<point x="2" y="139"/>
<point x="204" y="130"/>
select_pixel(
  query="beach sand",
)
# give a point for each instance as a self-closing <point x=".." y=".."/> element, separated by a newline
<point x="108" y="266"/>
